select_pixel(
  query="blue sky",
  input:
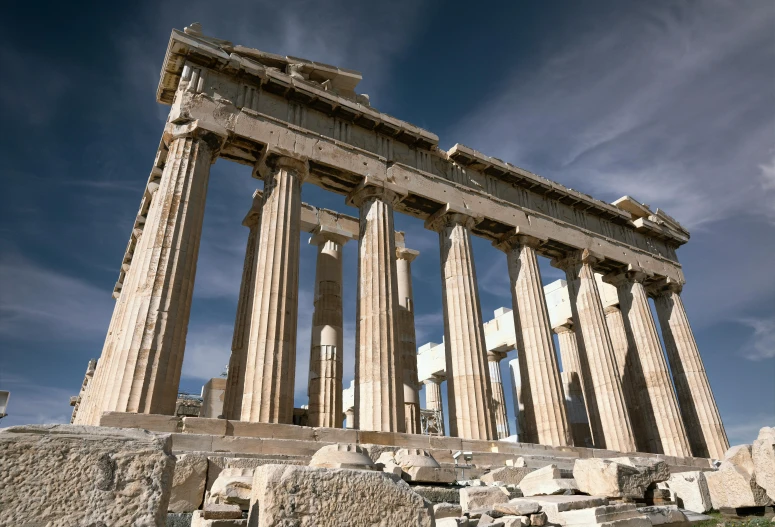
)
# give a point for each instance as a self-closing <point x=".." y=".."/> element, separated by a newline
<point x="671" y="102"/>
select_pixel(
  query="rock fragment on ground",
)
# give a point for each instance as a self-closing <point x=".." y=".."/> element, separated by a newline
<point x="662" y="514"/>
<point x="188" y="483"/>
<point x="447" y="510"/>
<point x="733" y="485"/>
<point x="614" y="479"/>
<point x="293" y="495"/>
<point x="763" y="455"/>
<point x="507" y="475"/>
<point x="479" y="497"/>
<point x="342" y="455"/>
<point x="546" y="481"/>
<point x="84" y="475"/>
<point x="232" y="486"/>
<point x="690" y="490"/>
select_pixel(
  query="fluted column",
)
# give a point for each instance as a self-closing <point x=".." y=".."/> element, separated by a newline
<point x="546" y="417"/>
<point x="603" y="393"/>
<point x="630" y="374"/>
<point x="469" y="394"/>
<point x="572" y="386"/>
<point x="349" y="419"/>
<point x="327" y="342"/>
<point x="433" y="399"/>
<point x="701" y="418"/>
<point x="235" y="379"/>
<point x="142" y="357"/>
<point x="658" y="404"/>
<point x="379" y="396"/>
<point x="498" y="396"/>
<point x="519" y="407"/>
<point x="270" y="367"/>
<point x="406" y="338"/>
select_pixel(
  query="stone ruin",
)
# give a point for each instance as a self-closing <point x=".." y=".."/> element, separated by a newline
<point x="620" y="437"/>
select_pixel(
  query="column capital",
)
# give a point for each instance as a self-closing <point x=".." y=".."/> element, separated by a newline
<point x="515" y="239"/>
<point x="373" y="188"/>
<point x="629" y="275"/>
<point x="576" y="259"/>
<point x="611" y="309"/>
<point x="565" y="327"/>
<point x="402" y="253"/>
<point x="432" y="380"/>
<point x="214" y="135"/>
<point x="322" y="234"/>
<point x="495" y="356"/>
<point x="664" y="287"/>
<point x="450" y="215"/>
<point x="275" y="159"/>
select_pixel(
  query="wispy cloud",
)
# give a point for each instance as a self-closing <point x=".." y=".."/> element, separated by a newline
<point x="38" y="303"/>
<point x="761" y="344"/>
<point x="656" y="104"/>
<point x="33" y="403"/>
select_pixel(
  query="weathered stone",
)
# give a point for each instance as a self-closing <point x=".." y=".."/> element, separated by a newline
<point x="178" y="519"/>
<point x="763" y="454"/>
<point x="291" y="495"/>
<point x="484" y="511"/>
<point x="198" y="520"/>
<point x="538" y="519"/>
<point x="447" y="510"/>
<point x="518" y="507"/>
<point x="661" y="514"/>
<point x="221" y="511"/>
<point x="690" y="490"/>
<point x="733" y="485"/>
<point x="342" y="456"/>
<point x="84" y="475"/>
<point x="552" y="506"/>
<point x="188" y="483"/>
<point x="620" y="515"/>
<point x="515" y="521"/>
<point x="508" y="475"/>
<point x="233" y="486"/>
<point x="546" y="481"/>
<point x="604" y="477"/>
<point x="420" y="467"/>
<point x="479" y="497"/>
<point x="652" y="469"/>
<point x="453" y="522"/>
<point x="519" y="462"/>
<point x="438" y="494"/>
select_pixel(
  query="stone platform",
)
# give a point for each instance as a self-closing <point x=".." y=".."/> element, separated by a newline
<point x="282" y="443"/>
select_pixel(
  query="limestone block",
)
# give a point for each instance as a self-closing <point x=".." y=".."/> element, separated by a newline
<point x="732" y="487"/>
<point x="188" y="483"/>
<point x="545" y="481"/>
<point x="763" y="454"/>
<point x="342" y="456"/>
<point x="604" y="515"/>
<point x="292" y="495"/>
<point x="655" y="470"/>
<point x="221" y="511"/>
<point x="453" y="522"/>
<point x="538" y="519"/>
<point x="232" y="486"/>
<point x="554" y="505"/>
<point x="84" y="475"/>
<point x="519" y="462"/>
<point x="218" y="463"/>
<point x="690" y="491"/>
<point x="740" y="456"/>
<point x="518" y="507"/>
<point x="515" y="521"/>
<point x="661" y="514"/>
<point x="447" y="510"/>
<point x="508" y="475"/>
<point x="198" y="520"/>
<point x="420" y="467"/>
<point x="438" y="494"/>
<point x="603" y="477"/>
<point x="445" y="476"/>
<point x="479" y="497"/>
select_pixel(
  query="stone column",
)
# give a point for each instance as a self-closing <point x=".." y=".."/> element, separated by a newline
<point x="498" y="396"/>
<point x="327" y="342"/>
<point x="630" y="374"/>
<point x="519" y="407"/>
<point x="546" y="417"/>
<point x="270" y="367"/>
<point x="406" y="338"/>
<point x="379" y="395"/>
<point x="469" y="395"/>
<point x="433" y="399"/>
<point x="603" y="394"/>
<point x="572" y="386"/>
<point x="701" y="418"/>
<point x="235" y="380"/>
<point x="140" y="366"/>
<point x="349" y="419"/>
<point x="658" y="405"/>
